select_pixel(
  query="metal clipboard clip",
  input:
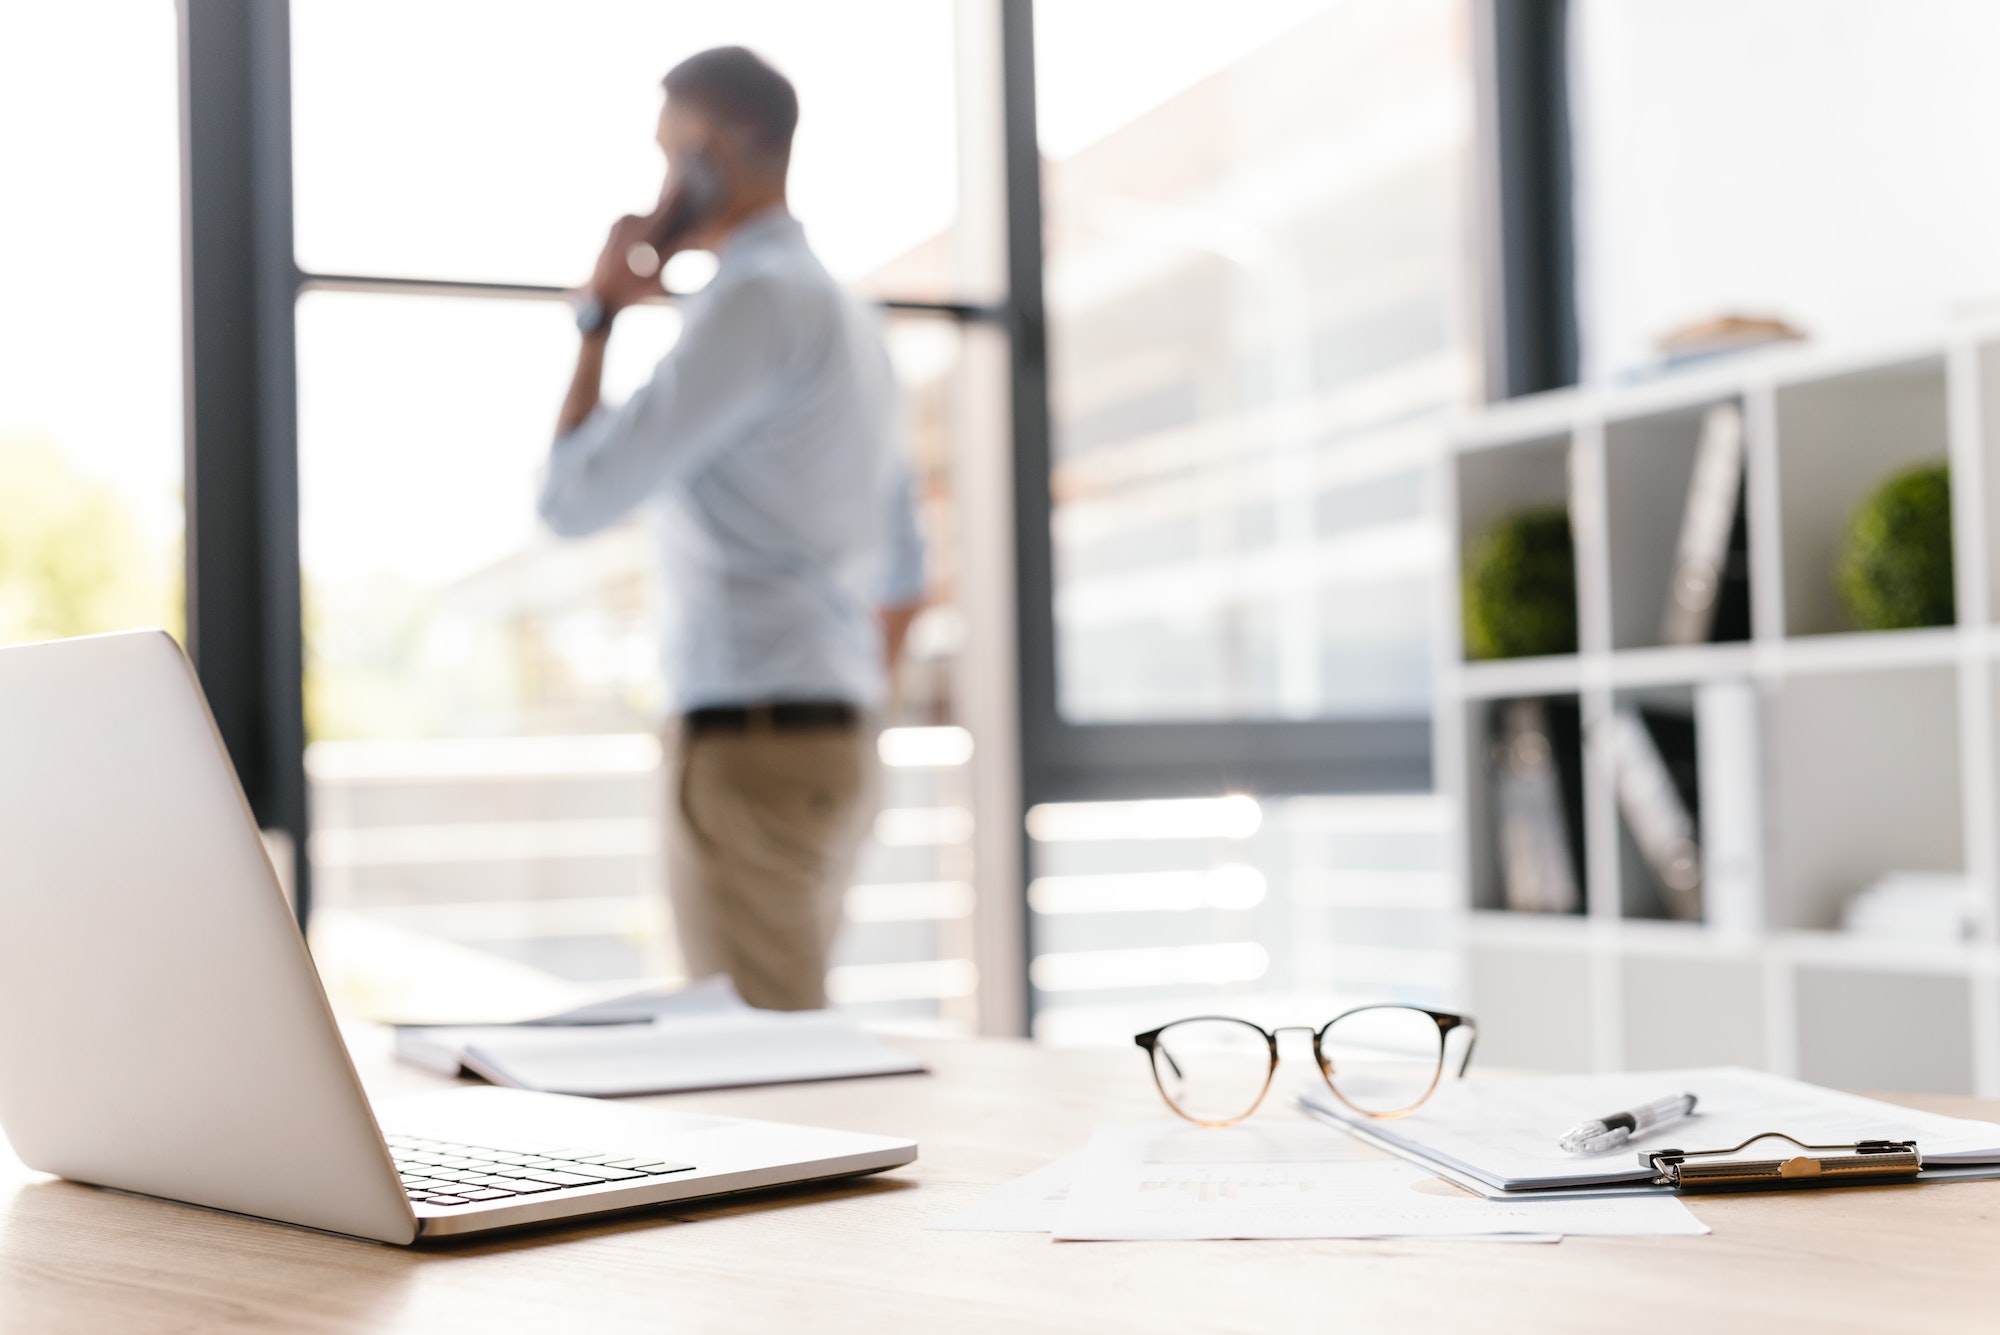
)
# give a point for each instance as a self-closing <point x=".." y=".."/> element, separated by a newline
<point x="1862" y="1161"/>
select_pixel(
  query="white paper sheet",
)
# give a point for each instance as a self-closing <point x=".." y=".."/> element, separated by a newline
<point x="702" y="1037"/>
<point x="681" y="1053"/>
<point x="1300" y="1180"/>
<point x="1504" y="1131"/>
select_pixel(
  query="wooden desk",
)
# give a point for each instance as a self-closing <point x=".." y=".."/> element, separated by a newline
<point x="857" y="1256"/>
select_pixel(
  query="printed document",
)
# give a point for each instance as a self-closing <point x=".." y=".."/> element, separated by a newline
<point x="1301" y="1180"/>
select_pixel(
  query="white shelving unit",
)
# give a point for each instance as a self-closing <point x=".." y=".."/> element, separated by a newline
<point x="1878" y="751"/>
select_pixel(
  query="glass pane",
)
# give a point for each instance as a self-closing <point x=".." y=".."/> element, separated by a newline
<point x="1820" y="177"/>
<point x="423" y="423"/>
<point x="483" y="140"/>
<point x="1385" y="1059"/>
<point x="1212" y="1071"/>
<point x="1284" y="911"/>
<point x="1255" y="269"/>
<point x="90" y="322"/>
<point x="483" y="699"/>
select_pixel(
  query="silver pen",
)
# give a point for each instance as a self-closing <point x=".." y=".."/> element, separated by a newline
<point x="1608" y="1133"/>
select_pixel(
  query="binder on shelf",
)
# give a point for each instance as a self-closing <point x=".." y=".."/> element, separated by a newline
<point x="1731" y="816"/>
<point x="1707" y="585"/>
<point x="1537" y="870"/>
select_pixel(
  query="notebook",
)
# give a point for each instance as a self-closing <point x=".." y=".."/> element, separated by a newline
<point x="1499" y="1135"/>
<point x="703" y="1037"/>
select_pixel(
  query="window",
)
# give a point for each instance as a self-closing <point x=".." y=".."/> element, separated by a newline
<point x="90" y="311"/>
<point x="481" y="697"/>
<point x="1254" y="272"/>
<point x="495" y="142"/>
<point x="1257" y="257"/>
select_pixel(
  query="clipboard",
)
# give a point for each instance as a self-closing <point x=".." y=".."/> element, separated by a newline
<point x="1862" y="1162"/>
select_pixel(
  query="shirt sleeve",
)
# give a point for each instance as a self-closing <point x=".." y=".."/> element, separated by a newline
<point x="706" y="392"/>
<point x="903" y="568"/>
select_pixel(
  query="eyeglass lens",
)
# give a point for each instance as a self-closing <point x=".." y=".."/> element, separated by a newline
<point x="1384" y="1059"/>
<point x="1212" y="1071"/>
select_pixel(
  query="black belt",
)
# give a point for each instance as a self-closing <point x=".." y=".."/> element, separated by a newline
<point x="780" y="715"/>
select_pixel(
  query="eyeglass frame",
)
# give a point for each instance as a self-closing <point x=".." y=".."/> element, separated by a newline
<point x="1446" y="1021"/>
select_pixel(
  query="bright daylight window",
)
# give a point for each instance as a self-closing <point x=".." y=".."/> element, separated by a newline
<point x="1258" y="250"/>
<point x="90" y="323"/>
<point x="481" y="698"/>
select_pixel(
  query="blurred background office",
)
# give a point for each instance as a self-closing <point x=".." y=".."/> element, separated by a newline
<point x="1184" y="295"/>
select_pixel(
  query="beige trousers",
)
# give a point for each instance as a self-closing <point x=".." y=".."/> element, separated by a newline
<point x="762" y="831"/>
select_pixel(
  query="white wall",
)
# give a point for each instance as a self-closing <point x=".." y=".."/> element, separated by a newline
<point x="1827" y="161"/>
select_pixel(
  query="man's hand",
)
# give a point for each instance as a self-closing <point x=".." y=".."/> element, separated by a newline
<point x="613" y="282"/>
<point x="895" y="620"/>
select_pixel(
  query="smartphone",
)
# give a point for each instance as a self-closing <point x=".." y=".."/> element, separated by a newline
<point x="691" y="201"/>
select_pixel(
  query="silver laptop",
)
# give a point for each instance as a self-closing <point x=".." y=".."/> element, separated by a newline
<point x="162" y="1029"/>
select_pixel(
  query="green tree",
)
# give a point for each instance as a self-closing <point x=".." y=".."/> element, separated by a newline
<point x="74" y="559"/>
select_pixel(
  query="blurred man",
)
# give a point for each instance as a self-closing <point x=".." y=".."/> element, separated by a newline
<point x="767" y="445"/>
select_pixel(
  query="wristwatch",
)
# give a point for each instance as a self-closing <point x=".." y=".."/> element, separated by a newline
<point x="591" y="315"/>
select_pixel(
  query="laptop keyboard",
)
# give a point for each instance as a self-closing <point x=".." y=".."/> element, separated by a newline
<point x="450" y="1172"/>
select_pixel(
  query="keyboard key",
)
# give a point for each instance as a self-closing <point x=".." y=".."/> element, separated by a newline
<point x="558" y="1178"/>
<point x="657" y="1169"/>
<point x="486" y="1194"/>
<point x="447" y="1200"/>
<point x="602" y="1173"/>
<point x="521" y="1186"/>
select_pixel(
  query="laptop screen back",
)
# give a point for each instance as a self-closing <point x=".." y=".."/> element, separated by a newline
<point x="162" y="1028"/>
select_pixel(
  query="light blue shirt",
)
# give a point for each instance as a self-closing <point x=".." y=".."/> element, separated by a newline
<point x="768" y="443"/>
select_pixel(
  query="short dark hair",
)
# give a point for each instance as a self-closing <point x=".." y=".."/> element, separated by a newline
<point x="736" y="85"/>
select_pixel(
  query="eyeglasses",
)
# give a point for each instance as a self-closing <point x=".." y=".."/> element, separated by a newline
<point x="1381" y="1061"/>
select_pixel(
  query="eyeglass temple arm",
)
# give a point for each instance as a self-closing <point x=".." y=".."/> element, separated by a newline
<point x="1151" y="1043"/>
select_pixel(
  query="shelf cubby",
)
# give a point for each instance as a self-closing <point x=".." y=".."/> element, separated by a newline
<point x="1865" y="779"/>
<point x="1838" y="438"/>
<point x="1668" y="714"/>
<point x="1534" y="1008"/>
<point x="1869" y="1029"/>
<point x="1495" y="483"/>
<point x="1483" y="738"/>
<point x="1646" y="459"/>
<point x="1699" y="1010"/>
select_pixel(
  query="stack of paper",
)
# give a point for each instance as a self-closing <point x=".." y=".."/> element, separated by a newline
<point x="704" y="1037"/>
<point x="1498" y="1136"/>
<point x="1279" y="1179"/>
